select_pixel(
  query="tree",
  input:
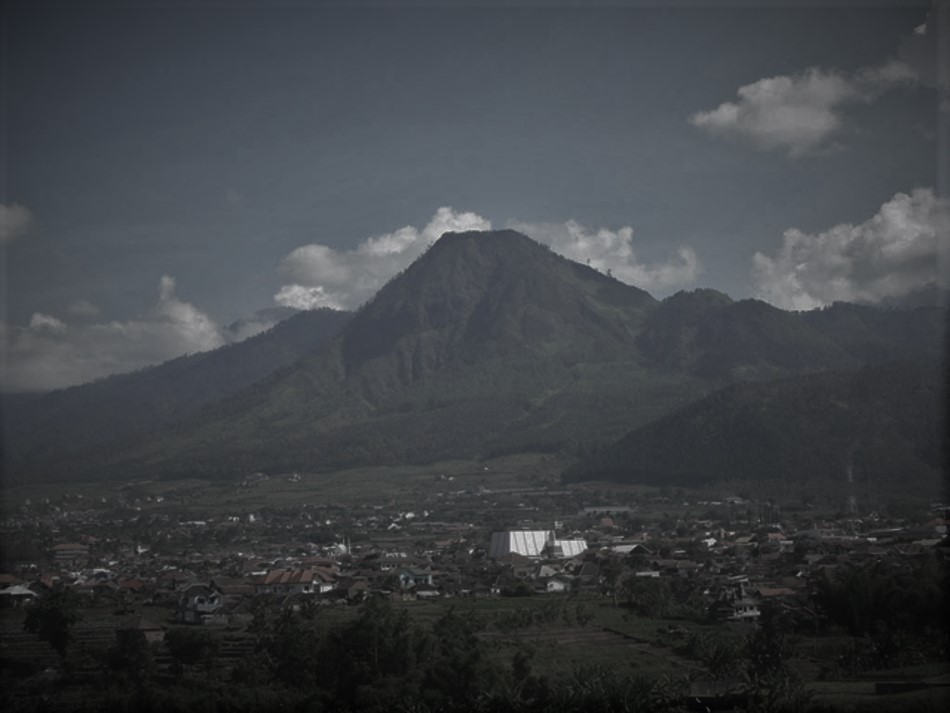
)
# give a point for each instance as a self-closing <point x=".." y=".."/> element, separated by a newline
<point x="375" y="660"/>
<point x="773" y="688"/>
<point x="613" y="571"/>
<point x="291" y="644"/>
<point x="190" y="647"/>
<point x="132" y="655"/>
<point x="53" y="617"/>
<point x="857" y="597"/>
<point x="459" y="670"/>
<point x="771" y="644"/>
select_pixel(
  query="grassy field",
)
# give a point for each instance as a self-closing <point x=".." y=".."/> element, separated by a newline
<point x="357" y="486"/>
<point x="558" y="641"/>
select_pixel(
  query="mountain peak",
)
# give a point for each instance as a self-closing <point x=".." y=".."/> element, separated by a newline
<point x="477" y="288"/>
<point x="488" y="247"/>
<point x="486" y="238"/>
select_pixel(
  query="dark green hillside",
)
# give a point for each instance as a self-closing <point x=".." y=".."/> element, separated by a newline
<point x="105" y="412"/>
<point x="887" y="422"/>
<point x="874" y="335"/>
<point x="477" y="295"/>
<point x="707" y="334"/>
<point x="488" y="338"/>
<point x="491" y="343"/>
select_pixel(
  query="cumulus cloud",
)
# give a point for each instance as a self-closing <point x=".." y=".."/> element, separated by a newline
<point x="40" y="322"/>
<point x="83" y="308"/>
<point x="319" y="276"/>
<point x="799" y="114"/>
<point x="612" y="252"/>
<point x="892" y="254"/>
<point x="15" y="221"/>
<point x="50" y="353"/>
<point x="301" y="297"/>
<point x="185" y="321"/>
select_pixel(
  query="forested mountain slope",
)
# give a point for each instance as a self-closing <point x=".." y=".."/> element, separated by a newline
<point x="884" y="423"/>
<point x="488" y="343"/>
<point x="52" y="425"/>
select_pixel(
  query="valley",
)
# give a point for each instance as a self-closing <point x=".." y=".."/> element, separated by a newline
<point x="507" y="482"/>
<point x="673" y="588"/>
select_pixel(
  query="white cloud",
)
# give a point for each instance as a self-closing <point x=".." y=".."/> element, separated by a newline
<point x="192" y="327"/>
<point x="319" y="276"/>
<point x="877" y="79"/>
<point x="300" y="297"/>
<point x="50" y="353"/>
<point x="805" y="113"/>
<point x="15" y="221"/>
<point x="799" y="114"/>
<point x="891" y="254"/>
<point x="40" y="322"/>
<point x="613" y="252"/>
<point x="83" y="308"/>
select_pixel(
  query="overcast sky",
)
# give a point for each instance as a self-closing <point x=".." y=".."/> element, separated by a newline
<point x="171" y="167"/>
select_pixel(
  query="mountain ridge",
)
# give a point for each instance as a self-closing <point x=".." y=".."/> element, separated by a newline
<point x="883" y="424"/>
<point x="491" y="342"/>
<point x="161" y="394"/>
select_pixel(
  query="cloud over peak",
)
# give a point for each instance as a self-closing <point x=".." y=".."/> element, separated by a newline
<point x="612" y="252"/>
<point x="893" y="253"/>
<point x="319" y="276"/>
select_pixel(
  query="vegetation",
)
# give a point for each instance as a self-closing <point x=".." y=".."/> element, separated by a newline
<point x="52" y="619"/>
<point x="46" y="432"/>
<point x="898" y="613"/>
<point x="873" y="422"/>
<point x="385" y="657"/>
<point x="487" y="345"/>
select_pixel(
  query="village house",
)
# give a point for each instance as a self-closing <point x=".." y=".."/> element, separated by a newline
<point x="313" y="580"/>
<point x="534" y="544"/>
<point x="734" y="599"/>
<point x="559" y="584"/>
<point x="413" y="578"/>
<point x="16" y="595"/>
<point x="200" y="604"/>
<point x="70" y="554"/>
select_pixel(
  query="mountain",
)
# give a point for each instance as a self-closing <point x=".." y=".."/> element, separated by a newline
<point x="707" y="334"/>
<point x="260" y="320"/>
<point x="875" y="335"/>
<point x="486" y="338"/>
<point x="931" y="295"/>
<point x="704" y="332"/>
<point x="488" y="343"/>
<point x="886" y="424"/>
<point x="120" y="407"/>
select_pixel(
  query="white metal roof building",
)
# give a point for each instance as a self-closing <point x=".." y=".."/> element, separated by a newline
<point x="533" y="543"/>
<point x="569" y="548"/>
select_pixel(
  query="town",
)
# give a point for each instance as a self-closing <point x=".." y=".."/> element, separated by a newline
<point x="660" y="579"/>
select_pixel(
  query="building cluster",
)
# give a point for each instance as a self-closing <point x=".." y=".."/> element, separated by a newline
<point x="208" y="568"/>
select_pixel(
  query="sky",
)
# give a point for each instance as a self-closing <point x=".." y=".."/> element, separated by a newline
<point x="169" y="168"/>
